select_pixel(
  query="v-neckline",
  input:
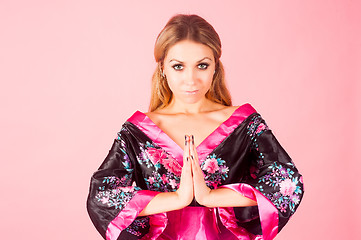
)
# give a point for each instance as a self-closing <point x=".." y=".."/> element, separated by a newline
<point x="158" y="136"/>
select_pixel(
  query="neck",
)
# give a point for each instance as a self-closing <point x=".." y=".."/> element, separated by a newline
<point x="202" y="105"/>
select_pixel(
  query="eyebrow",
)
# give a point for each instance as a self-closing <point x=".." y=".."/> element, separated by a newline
<point x="197" y="62"/>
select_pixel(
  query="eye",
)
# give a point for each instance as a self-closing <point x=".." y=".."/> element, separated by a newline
<point x="203" y="66"/>
<point x="177" y="67"/>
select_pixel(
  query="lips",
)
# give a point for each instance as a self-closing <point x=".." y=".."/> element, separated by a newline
<point x="191" y="92"/>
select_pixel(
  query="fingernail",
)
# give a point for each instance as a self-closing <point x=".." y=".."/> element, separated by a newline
<point x="192" y="157"/>
<point x="185" y="140"/>
<point x="187" y="159"/>
<point x="192" y="139"/>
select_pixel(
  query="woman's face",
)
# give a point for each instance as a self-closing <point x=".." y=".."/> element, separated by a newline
<point x="189" y="69"/>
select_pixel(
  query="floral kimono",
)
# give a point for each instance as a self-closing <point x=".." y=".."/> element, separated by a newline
<point x="242" y="154"/>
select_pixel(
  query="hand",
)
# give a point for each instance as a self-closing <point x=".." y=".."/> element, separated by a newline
<point x="185" y="191"/>
<point x="201" y="191"/>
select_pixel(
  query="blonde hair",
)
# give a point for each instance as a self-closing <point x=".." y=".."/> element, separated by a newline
<point x="187" y="27"/>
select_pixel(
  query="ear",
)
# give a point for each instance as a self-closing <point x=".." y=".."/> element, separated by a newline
<point x="161" y="72"/>
<point x="160" y="67"/>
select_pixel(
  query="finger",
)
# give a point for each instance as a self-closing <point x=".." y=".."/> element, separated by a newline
<point x="188" y="165"/>
<point x="194" y="155"/>
<point x="186" y="146"/>
<point x="191" y="147"/>
<point x="186" y="175"/>
<point x="194" y="149"/>
<point x="194" y="167"/>
<point x="185" y="164"/>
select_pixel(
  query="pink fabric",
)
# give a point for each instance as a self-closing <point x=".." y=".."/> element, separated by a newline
<point x="191" y="223"/>
<point x="267" y="211"/>
<point x="158" y="222"/>
<point x="192" y="220"/>
<point x="130" y="212"/>
<point x="146" y="125"/>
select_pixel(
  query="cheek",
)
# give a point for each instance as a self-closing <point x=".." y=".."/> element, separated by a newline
<point x="172" y="82"/>
<point x="207" y="79"/>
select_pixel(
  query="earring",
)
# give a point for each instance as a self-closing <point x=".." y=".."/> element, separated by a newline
<point x="162" y="73"/>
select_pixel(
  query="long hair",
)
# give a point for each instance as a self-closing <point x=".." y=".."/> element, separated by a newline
<point x="187" y="27"/>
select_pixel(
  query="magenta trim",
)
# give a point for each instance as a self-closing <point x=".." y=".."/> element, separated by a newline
<point x="191" y="223"/>
<point x="129" y="213"/>
<point x="267" y="211"/>
<point x="223" y="130"/>
<point x="158" y="222"/>
<point x="146" y="125"/>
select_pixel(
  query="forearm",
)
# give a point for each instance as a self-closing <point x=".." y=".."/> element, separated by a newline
<point x="224" y="197"/>
<point x="163" y="202"/>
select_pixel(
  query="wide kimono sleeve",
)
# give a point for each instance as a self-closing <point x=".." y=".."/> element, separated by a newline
<point x="271" y="179"/>
<point x="115" y="197"/>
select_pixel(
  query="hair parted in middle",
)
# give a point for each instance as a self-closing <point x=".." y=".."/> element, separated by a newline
<point x="187" y="27"/>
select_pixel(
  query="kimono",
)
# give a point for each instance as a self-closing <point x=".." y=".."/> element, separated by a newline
<point x="242" y="154"/>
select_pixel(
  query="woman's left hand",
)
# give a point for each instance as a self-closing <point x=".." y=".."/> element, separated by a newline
<point x="201" y="191"/>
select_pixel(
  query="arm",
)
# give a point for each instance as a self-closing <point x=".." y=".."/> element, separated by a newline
<point x="163" y="202"/>
<point x="169" y="201"/>
<point x="115" y="200"/>
<point x="271" y="179"/>
<point x="221" y="197"/>
<point x="225" y="197"/>
<point x="273" y="173"/>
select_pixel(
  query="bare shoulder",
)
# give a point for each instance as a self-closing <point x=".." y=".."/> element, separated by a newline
<point x="229" y="109"/>
<point x="154" y="116"/>
<point x="159" y="116"/>
<point x="218" y="113"/>
<point x="223" y="112"/>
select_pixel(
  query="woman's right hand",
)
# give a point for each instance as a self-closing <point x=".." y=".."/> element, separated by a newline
<point x="185" y="191"/>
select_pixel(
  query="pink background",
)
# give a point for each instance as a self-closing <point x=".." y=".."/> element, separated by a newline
<point x="73" y="71"/>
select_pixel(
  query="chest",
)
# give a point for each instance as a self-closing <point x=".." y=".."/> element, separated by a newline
<point x="177" y="127"/>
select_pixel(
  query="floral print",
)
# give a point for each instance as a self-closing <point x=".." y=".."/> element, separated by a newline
<point x="166" y="176"/>
<point x="280" y="184"/>
<point x="166" y="182"/>
<point x="287" y="186"/>
<point x="116" y="192"/>
<point x="135" y="160"/>
<point x="156" y="155"/>
<point x="211" y="165"/>
<point x="151" y="154"/>
<point x="172" y="165"/>
<point x="138" y="225"/>
<point x="215" y="171"/>
<point x="256" y="126"/>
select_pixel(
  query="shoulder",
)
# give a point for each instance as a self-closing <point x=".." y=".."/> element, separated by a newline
<point x="127" y="127"/>
<point x="224" y="112"/>
<point x="243" y="111"/>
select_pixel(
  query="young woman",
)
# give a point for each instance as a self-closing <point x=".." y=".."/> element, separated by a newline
<point x="194" y="166"/>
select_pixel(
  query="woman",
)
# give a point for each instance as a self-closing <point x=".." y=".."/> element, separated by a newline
<point x="194" y="167"/>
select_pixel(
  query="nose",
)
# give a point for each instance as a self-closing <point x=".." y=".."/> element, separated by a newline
<point x="190" y="77"/>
